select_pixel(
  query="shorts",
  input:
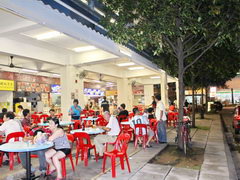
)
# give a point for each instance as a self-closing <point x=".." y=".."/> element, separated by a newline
<point x="66" y="151"/>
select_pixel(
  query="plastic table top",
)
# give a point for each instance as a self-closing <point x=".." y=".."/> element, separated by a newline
<point x="62" y="123"/>
<point x="89" y="119"/>
<point x="89" y="131"/>
<point x="21" y="146"/>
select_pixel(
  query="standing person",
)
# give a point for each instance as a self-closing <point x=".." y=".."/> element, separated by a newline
<point x="19" y="115"/>
<point x="115" y="110"/>
<point x="61" y="148"/>
<point x="154" y="103"/>
<point x="161" y="118"/>
<point x="75" y="110"/>
<point x="186" y="103"/>
<point x="105" y="104"/>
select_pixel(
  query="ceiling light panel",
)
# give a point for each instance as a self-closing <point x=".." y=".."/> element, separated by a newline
<point x="155" y="77"/>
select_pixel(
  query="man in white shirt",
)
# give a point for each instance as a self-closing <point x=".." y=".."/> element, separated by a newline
<point x="10" y="125"/>
<point x="161" y="118"/>
<point x="112" y="130"/>
<point x="137" y="119"/>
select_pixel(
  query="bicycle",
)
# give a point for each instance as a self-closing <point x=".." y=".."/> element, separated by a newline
<point x="185" y="133"/>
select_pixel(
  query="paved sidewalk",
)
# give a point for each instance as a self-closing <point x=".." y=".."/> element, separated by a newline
<point x="214" y="166"/>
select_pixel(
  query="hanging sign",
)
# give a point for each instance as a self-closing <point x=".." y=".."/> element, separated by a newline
<point x="7" y="85"/>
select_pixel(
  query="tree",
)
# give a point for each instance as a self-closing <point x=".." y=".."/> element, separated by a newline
<point x="217" y="66"/>
<point x="186" y="29"/>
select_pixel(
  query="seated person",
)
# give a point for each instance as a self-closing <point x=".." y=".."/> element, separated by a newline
<point x="122" y="112"/>
<point x="26" y="118"/>
<point x="9" y="126"/>
<point x="115" y="110"/>
<point x="4" y="111"/>
<point x="137" y="119"/>
<point x="172" y="108"/>
<point x="61" y="147"/>
<point x="112" y="130"/>
<point x="51" y="115"/>
<point x="150" y="113"/>
<point x="41" y="154"/>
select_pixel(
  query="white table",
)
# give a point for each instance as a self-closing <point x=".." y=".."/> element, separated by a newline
<point x="26" y="148"/>
<point x="90" y="131"/>
<point x="89" y="119"/>
<point x="62" y="123"/>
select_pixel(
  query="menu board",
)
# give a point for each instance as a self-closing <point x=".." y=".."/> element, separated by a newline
<point x="33" y="87"/>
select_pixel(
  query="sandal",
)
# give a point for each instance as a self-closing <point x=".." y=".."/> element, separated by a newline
<point x="148" y="146"/>
<point x="51" y="172"/>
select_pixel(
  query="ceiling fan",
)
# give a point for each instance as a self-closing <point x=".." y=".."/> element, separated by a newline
<point x="11" y="65"/>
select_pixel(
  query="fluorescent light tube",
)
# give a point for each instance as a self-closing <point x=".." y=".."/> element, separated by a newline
<point x="48" y="35"/>
<point x="84" y="48"/>
<point x="126" y="64"/>
<point x="155" y="77"/>
<point x="136" y="68"/>
<point x="30" y="70"/>
<point x="125" y="52"/>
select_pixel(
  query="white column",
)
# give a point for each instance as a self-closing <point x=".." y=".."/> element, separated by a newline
<point x="164" y="89"/>
<point x="124" y="89"/>
<point x="177" y="93"/>
<point x="148" y="93"/>
<point x="71" y="88"/>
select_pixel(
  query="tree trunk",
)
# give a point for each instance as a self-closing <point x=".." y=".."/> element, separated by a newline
<point x="193" y="108"/>
<point x="181" y="88"/>
<point x="202" y="107"/>
<point x="206" y="99"/>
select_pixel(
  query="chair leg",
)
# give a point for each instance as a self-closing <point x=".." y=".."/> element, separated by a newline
<point x="129" y="170"/>
<point x="135" y="143"/>
<point x="104" y="163"/>
<point x="77" y="154"/>
<point x="63" y="164"/>
<point x="85" y="156"/>
<point x="18" y="158"/>
<point x="95" y="152"/>
<point x="1" y="158"/>
<point x="113" y="159"/>
<point x="11" y="160"/>
<point x="122" y="162"/>
<point x="71" y="160"/>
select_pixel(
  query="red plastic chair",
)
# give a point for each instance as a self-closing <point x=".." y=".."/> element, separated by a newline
<point x="171" y="118"/>
<point x="35" y="119"/>
<point x="140" y="134"/>
<point x="59" y="115"/>
<point x="16" y="136"/>
<point x="122" y="118"/>
<point x="101" y="121"/>
<point x="44" y="117"/>
<point x="120" y="150"/>
<point x="1" y="153"/>
<point x="63" y="160"/>
<point x="153" y="126"/>
<point x="27" y="129"/>
<point x="84" y="144"/>
<point x="1" y="121"/>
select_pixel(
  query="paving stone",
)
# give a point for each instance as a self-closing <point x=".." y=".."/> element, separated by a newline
<point x="182" y="174"/>
<point x="215" y="169"/>
<point x="205" y="176"/>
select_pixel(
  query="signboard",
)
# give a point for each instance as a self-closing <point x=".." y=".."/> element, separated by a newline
<point x="111" y="93"/>
<point x="55" y="88"/>
<point x="7" y="85"/>
<point x="93" y="92"/>
<point x="213" y="91"/>
<point x="33" y="87"/>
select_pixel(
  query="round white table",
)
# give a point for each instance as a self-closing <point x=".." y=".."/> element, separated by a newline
<point x="90" y="131"/>
<point x="89" y="119"/>
<point x="125" y="123"/>
<point x="62" y="123"/>
<point x="27" y="148"/>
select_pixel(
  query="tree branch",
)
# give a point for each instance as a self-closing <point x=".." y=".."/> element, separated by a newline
<point x="196" y="50"/>
<point x="170" y="43"/>
<point x="189" y="38"/>
<point x="200" y="55"/>
<point x="195" y="44"/>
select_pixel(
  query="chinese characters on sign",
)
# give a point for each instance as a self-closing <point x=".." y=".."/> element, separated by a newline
<point x="7" y="85"/>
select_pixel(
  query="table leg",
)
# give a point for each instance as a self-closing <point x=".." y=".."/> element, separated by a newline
<point x="28" y="163"/>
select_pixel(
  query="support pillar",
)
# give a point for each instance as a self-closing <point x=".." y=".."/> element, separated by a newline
<point x="164" y="89"/>
<point x="71" y="88"/>
<point x="148" y="93"/>
<point x="124" y="90"/>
